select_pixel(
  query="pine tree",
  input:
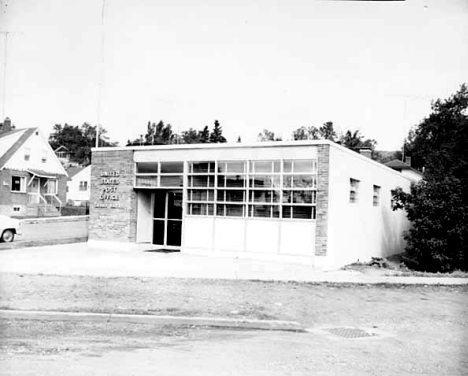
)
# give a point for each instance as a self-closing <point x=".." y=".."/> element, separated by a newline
<point x="216" y="135"/>
<point x="204" y="135"/>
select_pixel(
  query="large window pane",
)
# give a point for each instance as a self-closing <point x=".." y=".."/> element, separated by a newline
<point x="234" y="210"/>
<point x="287" y="166"/>
<point x="172" y="167"/>
<point x="231" y="181"/>
<point x="230" y="210"/>
<point x="201" y="181"/>
<point x="231" y="196"/>
<point x="147" y="167"/>
<point x="303" y="181"/>
<point x="260" y="196"/>
<point x="303" y="166"/>
<point x="264" y="181"/>
<point x="201" y="195"/>
<point x="299" y="212"/>
<point x="303" y="197"/>
<point x="202" y="167"/>
<point x="303" y="212"/>
<point x="147" y="181"/>
<point x="262" y="166"/>
<point x="201" y="209"/>
<point x="287" y="196"/>
<point x="172" y="181"/>
<point x="231" y="167"/>
<point x="260" y="211"/>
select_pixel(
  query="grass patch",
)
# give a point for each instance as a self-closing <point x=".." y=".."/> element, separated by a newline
<point x="399" y="265"/>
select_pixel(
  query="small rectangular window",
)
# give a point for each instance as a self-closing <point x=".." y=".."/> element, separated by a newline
<point x="27" y="154"/>
<point x="353" y="190"/>
<point x="18" y="184"/>
<point x="376" y="197"/>
<point x="16" y="208"/>
<point x="44" y="156"/>
<point x="83" y="185"/>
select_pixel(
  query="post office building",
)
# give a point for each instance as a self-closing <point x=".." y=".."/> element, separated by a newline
<point x="313" y="202"/>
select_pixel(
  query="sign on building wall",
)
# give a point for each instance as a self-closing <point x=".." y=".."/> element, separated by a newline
<point x="108" y="190"/>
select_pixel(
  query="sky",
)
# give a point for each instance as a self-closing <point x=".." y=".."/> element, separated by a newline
<point x="251" y="64"/>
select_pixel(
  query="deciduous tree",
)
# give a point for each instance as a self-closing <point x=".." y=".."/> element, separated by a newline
<point x="438" y="205"/>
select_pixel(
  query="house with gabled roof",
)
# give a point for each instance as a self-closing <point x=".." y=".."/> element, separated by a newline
<point x="32" y="179"/>
<point x="78" y="185"/>
<point x="405" y="169"/>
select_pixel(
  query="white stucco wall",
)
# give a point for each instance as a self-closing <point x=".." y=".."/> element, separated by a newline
<point x="250" y="237"/>
<point x="358" y="231"/>
<point x="259" y="152"/>
<point x="73" y="186"/>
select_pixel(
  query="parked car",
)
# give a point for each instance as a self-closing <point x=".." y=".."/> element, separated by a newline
<point x="9" y="227"/>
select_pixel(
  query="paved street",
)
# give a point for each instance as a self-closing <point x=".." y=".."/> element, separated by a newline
<point x="397" y="330"/>
<point x="41" y="230"/>
<point x="87" y="348"/>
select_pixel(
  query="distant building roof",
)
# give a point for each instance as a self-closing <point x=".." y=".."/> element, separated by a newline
<point x="72" y="171"/>
<point x="399" y="165"/>
<point x="396" y="163"/>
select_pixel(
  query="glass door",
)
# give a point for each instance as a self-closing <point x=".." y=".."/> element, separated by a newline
<point x="167" y="220"/>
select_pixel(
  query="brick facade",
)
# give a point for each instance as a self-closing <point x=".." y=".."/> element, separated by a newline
<point x="321" y="228"/>
<point x="113" y="203"/>
<point x="9" y="200"/>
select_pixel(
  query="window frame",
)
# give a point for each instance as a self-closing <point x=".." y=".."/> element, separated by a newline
<point x="353" y="190"/>
<point x="85" y="185"/>
<point x="22" y="184"/>
<point x="376" y="195"/>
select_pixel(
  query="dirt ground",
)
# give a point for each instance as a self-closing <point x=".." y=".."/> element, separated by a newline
<point x="310" y="304"/>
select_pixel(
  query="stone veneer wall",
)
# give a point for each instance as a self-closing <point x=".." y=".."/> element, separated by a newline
<point x="113" y="201"/>
<point x="321" y="228"/>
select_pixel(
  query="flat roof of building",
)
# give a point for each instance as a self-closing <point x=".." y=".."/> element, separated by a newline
<point x="241" y="145"/>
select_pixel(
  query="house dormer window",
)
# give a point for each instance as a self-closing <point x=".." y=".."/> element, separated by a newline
<point x="44" y="156"/>
<point x="27" y="154"/>
<point x="83" y="186"/>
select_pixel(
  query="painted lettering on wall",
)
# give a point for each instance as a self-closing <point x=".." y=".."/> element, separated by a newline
<point x="108" y="192"/>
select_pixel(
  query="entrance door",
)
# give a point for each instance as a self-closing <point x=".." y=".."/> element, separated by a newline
<point x="35" y="191"/>
<point x="167" y="218"/>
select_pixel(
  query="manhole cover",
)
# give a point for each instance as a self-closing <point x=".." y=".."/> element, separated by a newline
<point x="350" y="332"/>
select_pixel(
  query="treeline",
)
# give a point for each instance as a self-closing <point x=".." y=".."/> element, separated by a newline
<point x="78" y="140"/>
<point x="351" y="139"/>
<point x="163" y="134"/>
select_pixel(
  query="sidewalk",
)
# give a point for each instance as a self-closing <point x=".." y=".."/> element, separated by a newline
<point x="80" y="259"/>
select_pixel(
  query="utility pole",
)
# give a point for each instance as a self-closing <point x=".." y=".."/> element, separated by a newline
<point x="5" y="58"/>
<point x="101" y="73"/>
<point x="4" y="73"/>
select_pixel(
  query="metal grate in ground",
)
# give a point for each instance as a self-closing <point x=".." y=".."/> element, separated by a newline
<point x="350" y="332"/>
